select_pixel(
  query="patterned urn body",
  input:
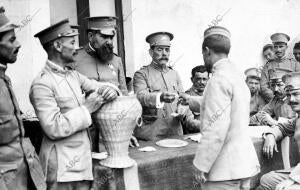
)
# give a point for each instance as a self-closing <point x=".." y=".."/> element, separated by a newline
<point x="116" y="121"/>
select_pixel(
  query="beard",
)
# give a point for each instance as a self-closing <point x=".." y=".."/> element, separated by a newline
<point x="105" y="52"/>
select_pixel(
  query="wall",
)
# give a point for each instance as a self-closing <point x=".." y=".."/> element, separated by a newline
<point x="250" y="22"/>
<point x="31" y="57"/>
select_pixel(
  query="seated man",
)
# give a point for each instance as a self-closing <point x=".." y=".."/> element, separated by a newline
<point x="199" y="79"/>
<point x="278" y="106"/>
<point x="252" y="81"/>
<point x="284" y="179"/>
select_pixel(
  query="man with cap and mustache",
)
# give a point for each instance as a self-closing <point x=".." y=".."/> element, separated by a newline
<point x="252" y="80"/>
<point x="58" y="97"/>
<point x="97" y="60"/>
<point x="285" y="179"/>
<point x="280" y="41"/>
<point x="225" y="158"/>
<point x="156" y="86"/>
<point x="19" y="165"/>
<point x="278" y="106"/>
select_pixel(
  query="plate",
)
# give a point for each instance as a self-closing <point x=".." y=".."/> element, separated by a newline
<point x="171" y="143"/>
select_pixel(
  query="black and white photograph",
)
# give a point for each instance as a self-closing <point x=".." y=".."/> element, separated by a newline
<point x="149" y="95"/>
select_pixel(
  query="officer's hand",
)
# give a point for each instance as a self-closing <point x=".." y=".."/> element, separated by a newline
<point x="108" y="93"/>
<point x="184" y="98"/>
<point x="133" y="142"/>
<point x="269" y="146"/>
<point x="167" y="97"/>
<point x="284" y="185"/>
<point x="93" y="102"/>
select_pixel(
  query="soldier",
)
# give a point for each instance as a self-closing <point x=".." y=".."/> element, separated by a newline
<point x="225" y="158"/>
<point x="296" y="51"/>
<point x="157" y="86"/>
<point x="58" y="97"/>
<point x="252" y="79"/>
<point x="284" y="179"/>
<point x="279" y="41"/>
<point x="19" y="163"/>
<point x="199" y="79"/>
<point x="278" y="106"/>
<point x="96" y="60"/>
<point x="268" y="52"/>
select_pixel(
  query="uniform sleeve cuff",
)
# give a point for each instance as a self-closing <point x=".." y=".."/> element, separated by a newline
<point x="159" y="104"/>
<point x="88" y="115"/>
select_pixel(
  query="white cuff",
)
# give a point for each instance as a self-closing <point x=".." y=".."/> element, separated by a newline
<point x="159" y="104"/>
<point x="88" y="115"/>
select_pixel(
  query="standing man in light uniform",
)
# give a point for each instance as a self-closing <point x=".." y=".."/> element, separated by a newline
<point x="58" y="97"/>
<point x="225" y="158"/>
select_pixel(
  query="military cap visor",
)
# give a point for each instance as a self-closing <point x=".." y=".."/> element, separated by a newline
<point x="292" y="81"/>
<point x="160" y="39"/>
<point x="253" y="73"/>
<point x="56" y="31"/>
<point x="278" y="73"/>
<point x="105" y="25"/>
<point x="280" y="38"/>
<point x="5" y="24"/>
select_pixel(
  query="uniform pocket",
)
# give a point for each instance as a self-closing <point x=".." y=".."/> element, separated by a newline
<point x="8" y="171"/>
<point x="9" y="128"/>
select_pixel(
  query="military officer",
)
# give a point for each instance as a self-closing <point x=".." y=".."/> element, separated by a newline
<point x="19" y="164"/>
<point x="157" y="86"/>
<point x="253" y="81"/>
<point x="278" y="106"/>
<point x="279" y="41"/>
<point x="58" y="97"/>
<point x="96" y="60"/>
<point x="284" y="179"/>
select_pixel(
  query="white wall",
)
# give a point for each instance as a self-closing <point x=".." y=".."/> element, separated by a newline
<point x="250" y="22"/>
<point x="31" y="57"/>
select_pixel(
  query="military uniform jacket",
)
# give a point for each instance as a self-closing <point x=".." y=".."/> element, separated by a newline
<point x="57" y="96"/>
<point x="289" y="128"/>
<point x="14" y="148"/>
<point x="89" y="65"/>
<point x="286" y="63"/>
<point x="256" y="103"/>
<point x="226" y="151"/>
<point x="148" y="82"/>
<point x="275" y="108"/>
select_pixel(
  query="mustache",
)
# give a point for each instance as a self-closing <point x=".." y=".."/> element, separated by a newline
<point x="164" y="58"/>
<point x="293" y="103"/>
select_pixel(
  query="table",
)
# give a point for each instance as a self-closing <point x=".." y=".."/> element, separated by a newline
<point x="170" y="168"/>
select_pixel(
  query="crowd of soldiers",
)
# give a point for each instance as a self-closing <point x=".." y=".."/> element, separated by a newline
<point x="75" y="82"/>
